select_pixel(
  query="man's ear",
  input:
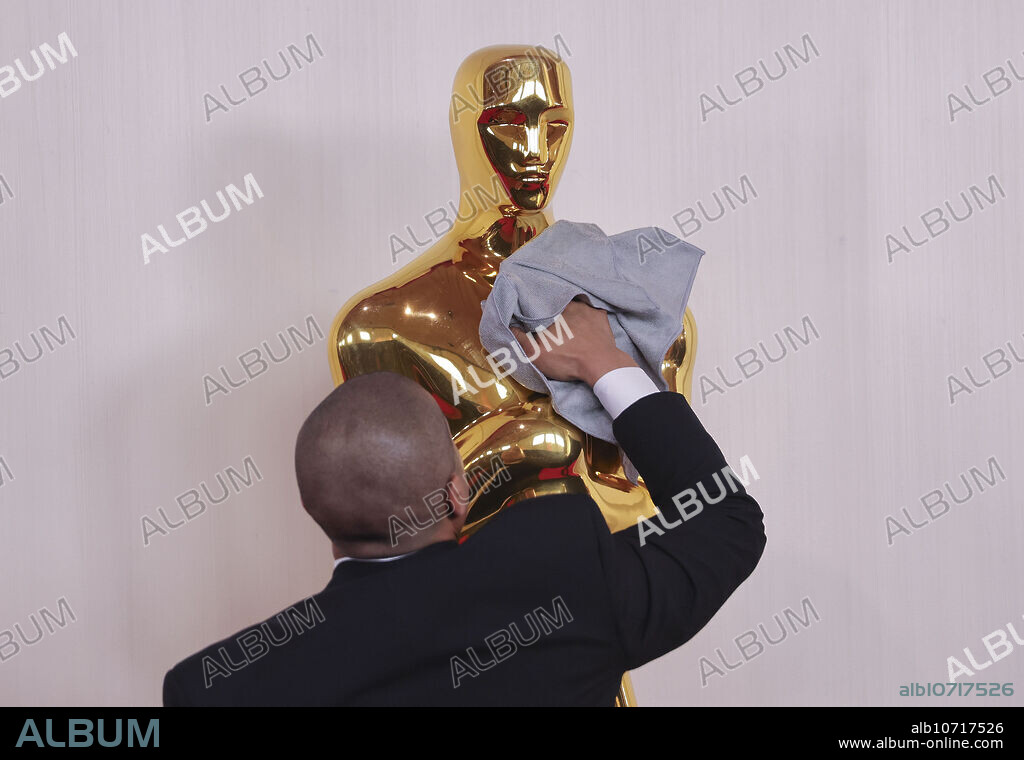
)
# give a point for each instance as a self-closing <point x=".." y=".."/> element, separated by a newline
<point x="459" y="494"/>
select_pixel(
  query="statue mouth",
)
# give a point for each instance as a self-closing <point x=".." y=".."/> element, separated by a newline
<point x="531" y="181"/>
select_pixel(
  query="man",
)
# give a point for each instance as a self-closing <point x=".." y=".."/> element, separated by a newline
<point x="543" y="605"/>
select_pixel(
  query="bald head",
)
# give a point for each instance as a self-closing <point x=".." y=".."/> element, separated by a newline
<point x="377" y="444"/>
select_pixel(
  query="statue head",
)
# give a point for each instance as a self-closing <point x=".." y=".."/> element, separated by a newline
<point x="511" y="122"/>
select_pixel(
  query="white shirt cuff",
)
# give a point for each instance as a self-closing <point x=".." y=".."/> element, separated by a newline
<point x="618" y="389"/>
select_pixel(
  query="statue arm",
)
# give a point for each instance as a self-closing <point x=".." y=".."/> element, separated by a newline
<point x="359" y="347"/>
<point x="355" y="348"/>
<point x="677" y="367"/>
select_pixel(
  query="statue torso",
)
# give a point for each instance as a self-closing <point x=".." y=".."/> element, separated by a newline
<point x="423" y="323"/>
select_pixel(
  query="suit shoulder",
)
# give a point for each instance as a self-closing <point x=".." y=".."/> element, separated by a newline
<point x="194" y="674"/>
<point x="557" y="518"/>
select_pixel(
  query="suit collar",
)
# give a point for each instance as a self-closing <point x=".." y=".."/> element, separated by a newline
<point x="377" y="559"/>
<point x="347" y="571"/>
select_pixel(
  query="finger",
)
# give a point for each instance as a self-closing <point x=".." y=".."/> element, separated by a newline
<point x="520" y="336"/>
<point x="584" y="299"/>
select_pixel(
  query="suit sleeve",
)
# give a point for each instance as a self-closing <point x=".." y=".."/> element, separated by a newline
<point x="666" y="583"/>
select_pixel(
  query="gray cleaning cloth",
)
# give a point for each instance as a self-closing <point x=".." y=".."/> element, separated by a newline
<point x="641" y="277"/>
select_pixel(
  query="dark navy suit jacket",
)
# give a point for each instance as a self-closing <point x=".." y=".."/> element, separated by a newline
<point x="543" y="605"/>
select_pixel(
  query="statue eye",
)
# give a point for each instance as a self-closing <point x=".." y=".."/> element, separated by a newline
<point x="499" y="115"/>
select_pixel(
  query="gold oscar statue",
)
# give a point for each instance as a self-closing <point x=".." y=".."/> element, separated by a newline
<point x="511" y="122"/>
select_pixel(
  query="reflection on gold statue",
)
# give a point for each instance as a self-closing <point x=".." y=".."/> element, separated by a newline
<point x="511" y="121"/>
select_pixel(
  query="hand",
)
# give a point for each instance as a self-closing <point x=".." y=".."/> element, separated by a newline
<point x="587" y="355"/>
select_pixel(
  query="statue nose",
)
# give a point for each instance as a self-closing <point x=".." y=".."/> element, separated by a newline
<point x="536" y="147"/>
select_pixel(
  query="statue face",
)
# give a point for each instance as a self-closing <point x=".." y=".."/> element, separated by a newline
<point x="523" y="127"/>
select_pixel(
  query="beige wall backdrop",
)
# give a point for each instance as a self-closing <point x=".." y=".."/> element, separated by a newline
<point x="897" y="395"/>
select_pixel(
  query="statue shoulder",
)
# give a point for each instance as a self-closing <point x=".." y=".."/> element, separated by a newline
<point x="371" y="323"/>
